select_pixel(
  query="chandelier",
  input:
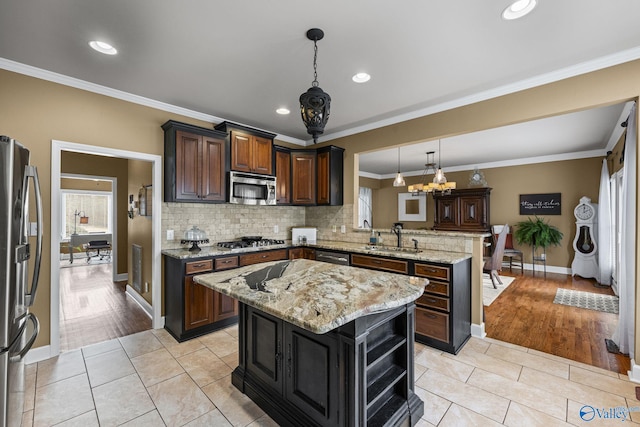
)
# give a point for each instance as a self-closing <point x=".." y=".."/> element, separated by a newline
<point x="315" y="103"/>
<point x="439" y="184"/>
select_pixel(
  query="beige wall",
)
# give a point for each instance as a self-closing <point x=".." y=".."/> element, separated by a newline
<point x="84" y="184"/>
<point x="572" y="178"/>
<point x="36" y="112"/>
<point x="139" y="230"/>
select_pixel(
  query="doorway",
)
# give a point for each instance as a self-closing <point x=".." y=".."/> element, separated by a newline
<point x="58" y="147"/>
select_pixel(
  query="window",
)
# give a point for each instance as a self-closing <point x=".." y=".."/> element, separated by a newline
<point x="364" y="207"/>
<point x="86" y="212"/>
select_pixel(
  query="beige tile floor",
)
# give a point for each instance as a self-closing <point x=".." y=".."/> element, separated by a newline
<point x="148" y="379"/>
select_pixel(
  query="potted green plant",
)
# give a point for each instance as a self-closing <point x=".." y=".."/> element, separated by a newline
<point x="538" y="234"/>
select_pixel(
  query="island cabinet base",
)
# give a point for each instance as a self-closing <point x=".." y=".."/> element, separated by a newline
<point x="359" y="374"/>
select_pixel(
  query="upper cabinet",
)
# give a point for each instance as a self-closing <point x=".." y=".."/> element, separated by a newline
<point x="283" y="175"/>
<point x="251" y="149"/>
<point x="194" y="163"/>
<point x="303" y="172"/>
<point x="463" y="210"/>
<point x="330" y="175"/>
<point x="312" y="177"/>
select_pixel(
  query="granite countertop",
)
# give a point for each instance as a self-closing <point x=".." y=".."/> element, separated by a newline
<point x="424" y="255"/>
<point x="389" y="251"/>
<point x="313" y="295"/>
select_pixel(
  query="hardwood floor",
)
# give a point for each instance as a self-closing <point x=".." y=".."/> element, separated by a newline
<point x="93" y="308"/>
<point x="524" y="314"/>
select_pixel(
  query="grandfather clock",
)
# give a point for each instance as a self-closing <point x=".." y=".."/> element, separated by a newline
<point x="585" y="263"/>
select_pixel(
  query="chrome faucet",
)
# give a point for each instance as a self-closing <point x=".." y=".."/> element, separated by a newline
<point x="397" y="230"/>
<point x="366" y="224"/>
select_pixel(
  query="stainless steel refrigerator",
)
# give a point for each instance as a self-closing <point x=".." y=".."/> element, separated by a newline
<point x="18" y="327"/>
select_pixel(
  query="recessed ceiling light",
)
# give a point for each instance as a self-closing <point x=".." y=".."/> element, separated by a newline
<point x="518" y="9"/>
<point x="103" y="47"/>
<point x="361" y="77"/>
<point x="283" y="111"/>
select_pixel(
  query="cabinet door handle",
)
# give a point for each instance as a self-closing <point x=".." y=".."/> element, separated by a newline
<point x="431" y="316"/>
<point x="375" y="261"/>
<point x="289" y="361"/>
<point x="431" y="300"/>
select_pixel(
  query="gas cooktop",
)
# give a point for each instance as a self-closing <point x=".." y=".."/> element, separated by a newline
<point x="249" y="242"/>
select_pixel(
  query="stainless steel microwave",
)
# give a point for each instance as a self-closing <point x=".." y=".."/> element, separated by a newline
<point x="252" y="189"/>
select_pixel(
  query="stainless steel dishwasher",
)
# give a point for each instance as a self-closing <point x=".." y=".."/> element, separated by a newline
<point x="333" y="257"/>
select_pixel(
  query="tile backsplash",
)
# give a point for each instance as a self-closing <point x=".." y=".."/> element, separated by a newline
<point x="224" y="222"/>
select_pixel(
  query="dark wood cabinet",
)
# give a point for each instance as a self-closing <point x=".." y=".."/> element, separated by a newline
<point x="443" y="312"/>
<point x="330" y="163"/>
<point x="263" y="256"/>
<point x="194" y="163"/>
<point x="251" y="149"/>
<point x="198" y="304"/>
<point x="361" y="373"/>
<point x="283" y="175"/>
<point x="463" y="210"/>
<point x="380" y="263"/>
<point x="303" y="178"/>
<point x="192" y="309"/>
<point x="302" y="252"/>
<point x="315" y="177"/>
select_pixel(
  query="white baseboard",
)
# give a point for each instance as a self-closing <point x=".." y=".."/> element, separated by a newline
<point x="478" y="330"/>
<point x="121" y="277"/>
<point x="550" y="269"/>
<point x="38" y="354"/>
<point x="634" y="373"/>
<point x="141" y="301"/>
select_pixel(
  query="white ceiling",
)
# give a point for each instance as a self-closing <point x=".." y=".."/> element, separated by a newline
<point x="240" y="60"/>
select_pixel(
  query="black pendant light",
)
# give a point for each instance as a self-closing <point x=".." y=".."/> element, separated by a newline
<point x="315" y="103"/>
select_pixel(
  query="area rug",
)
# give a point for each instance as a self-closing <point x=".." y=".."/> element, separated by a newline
<point x="589" y="300"/>
<point x="489" y="294"/>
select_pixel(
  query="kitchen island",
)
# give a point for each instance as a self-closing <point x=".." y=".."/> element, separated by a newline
<point x="326" y="345"/>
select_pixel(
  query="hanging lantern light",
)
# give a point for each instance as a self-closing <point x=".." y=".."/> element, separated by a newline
<point x="315" y="103"/>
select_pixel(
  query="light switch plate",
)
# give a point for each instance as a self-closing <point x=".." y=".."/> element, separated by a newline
<point x="33" y="229"/>
<point x="170" y="235"/>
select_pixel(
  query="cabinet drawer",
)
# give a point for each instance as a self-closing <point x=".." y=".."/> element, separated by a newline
<point x="259" y="257"/>
<point x="227" y="262"/>
<point x="380" y="263"/>
<point x="435" y="287"/>
<point x="432" y="324"/>
<point x="432" y="271"/>
<point x="433" y="302"/>
<point x="199" y="266"/>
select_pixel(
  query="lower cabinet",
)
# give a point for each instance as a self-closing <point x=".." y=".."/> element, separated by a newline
<point x="191" y="309"/>
<point x="358" y="374"/>
<point x="443" y="312"/>
<point x="297" y="364"/>
<point x="302" y="252"/>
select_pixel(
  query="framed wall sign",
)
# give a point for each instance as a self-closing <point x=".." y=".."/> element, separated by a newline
<point x="412" y="208"/>
<point x="540" y="204"/>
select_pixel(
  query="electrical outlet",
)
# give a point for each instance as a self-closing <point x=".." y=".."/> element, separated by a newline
<point x="276" y="229"/>
<point x="343" y="228"/>
<point x="33" y="229"/>
<point x="335" y="229"/>
<point x="170" y="235"/>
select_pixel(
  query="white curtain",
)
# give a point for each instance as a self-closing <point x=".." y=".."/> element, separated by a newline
<point x="364" y="206"/>
<point x="605" y="263"/>
<point x="624" y="333"/>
